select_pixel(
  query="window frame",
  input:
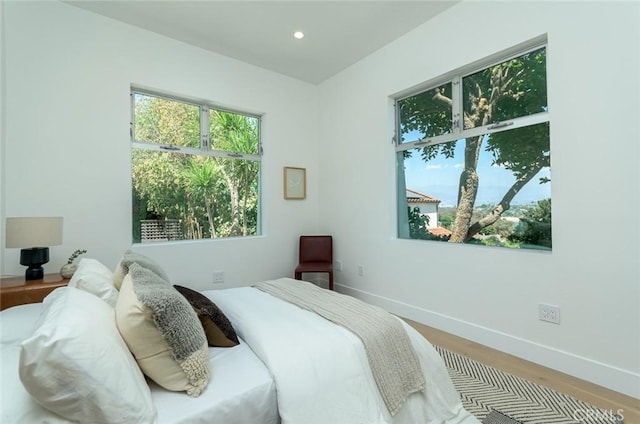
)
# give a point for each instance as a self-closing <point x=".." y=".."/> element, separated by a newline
<point x="457" y="131"/>
<point x="205" y="148"/>
<point x="455" y="78"/>
<point x="205" y="145"/>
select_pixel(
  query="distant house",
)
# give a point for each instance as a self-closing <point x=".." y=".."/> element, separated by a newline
<point x="427" y="205"/>
<point x="440" y="232"/>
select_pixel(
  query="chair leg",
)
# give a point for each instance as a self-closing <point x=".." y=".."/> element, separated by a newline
<point x="331" y="280"/>
<point x="298" y="276"/>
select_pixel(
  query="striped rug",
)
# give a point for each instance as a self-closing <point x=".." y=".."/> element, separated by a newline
<point x="491" y="394"/>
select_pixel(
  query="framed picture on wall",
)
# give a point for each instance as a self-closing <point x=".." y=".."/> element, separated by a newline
<point x="295" y="183"/>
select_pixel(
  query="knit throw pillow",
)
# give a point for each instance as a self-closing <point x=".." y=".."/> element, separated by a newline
<point x="163" y="332"/>
<point x="130" y="257"/>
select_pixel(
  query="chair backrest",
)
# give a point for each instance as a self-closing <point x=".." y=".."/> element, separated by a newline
<point x="316" y="249"/>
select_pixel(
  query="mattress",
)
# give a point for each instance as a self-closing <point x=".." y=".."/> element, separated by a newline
<point x="241" y="389"/>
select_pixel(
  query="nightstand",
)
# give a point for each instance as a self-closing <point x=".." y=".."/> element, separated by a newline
<point x="17" y="291"/>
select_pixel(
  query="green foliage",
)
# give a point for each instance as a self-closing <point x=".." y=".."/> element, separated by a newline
<point x="428" y="113"/>
<point x="232" y="132"/>
<point x="210" y="196"/>
<point x="165" y="121"/>
<point x="540" y="213"/>
<point x="501" y="228"/>
<point x="418" y="226"/>
<point x="535" y="226"/>
<point x="237" y="133"/>
<point x="446" y="221"/>
<point x="495" y="241"/>
<point x="157" y="178"/>
<point x="522" y="150"/>
<point x="75" y="255"/>
<point x="201" y="179"/>
<point x="505" y="91"/>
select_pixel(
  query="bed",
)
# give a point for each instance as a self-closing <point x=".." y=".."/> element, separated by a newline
<point x="290" y="366"/>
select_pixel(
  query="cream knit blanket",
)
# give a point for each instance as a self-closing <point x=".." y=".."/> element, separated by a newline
<point x="393" y="362"/>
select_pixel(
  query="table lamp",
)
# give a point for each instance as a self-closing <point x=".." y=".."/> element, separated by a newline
<point x="27" y="232"/>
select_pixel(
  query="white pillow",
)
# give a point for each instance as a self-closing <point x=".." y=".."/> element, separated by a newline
<point x="77" y="365"/>
<point x="92" y="276"/>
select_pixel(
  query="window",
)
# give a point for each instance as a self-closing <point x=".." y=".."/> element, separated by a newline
<point x="195" y="170"/>
<point x="473" y="155"/>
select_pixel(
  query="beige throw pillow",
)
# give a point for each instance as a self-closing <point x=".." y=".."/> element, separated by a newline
<point x="163" y="332"/>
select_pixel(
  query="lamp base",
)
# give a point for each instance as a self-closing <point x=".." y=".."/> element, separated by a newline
<point x="34" y="274"/>
<point x="34" y="258"/>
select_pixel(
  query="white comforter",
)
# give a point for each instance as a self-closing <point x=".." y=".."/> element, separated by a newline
<point x="321" y="370"/>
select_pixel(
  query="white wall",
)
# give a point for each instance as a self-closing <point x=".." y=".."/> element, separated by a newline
<point x="67" y="148"/>
<point x="491" y="295"/>
<point x="3" y="87"/>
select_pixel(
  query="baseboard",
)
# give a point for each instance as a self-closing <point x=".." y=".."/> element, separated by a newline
<point x="617" y="379"/>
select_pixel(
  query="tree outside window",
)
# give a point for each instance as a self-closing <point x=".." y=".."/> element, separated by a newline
<point x="479" y="143"/>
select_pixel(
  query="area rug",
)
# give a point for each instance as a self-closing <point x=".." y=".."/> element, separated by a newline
<point x="496" y="417"/>
<point x="492" y="395"/>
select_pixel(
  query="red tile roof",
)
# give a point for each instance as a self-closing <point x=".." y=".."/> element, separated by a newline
<point x="439" y="231"/>
<point x="417" y="197"/>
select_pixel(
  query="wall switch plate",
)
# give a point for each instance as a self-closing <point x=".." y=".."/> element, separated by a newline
<point x="338" y="265"/>
<point x="218" y="277"/>
<point x="361" y="270"/>
<point x="549" y="313"/>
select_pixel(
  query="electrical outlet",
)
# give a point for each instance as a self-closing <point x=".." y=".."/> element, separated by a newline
<point x="549" y="313"/>
<point x="338" y="265"/>
<point x="218" y="277"/>
<point x="361" y="270"/>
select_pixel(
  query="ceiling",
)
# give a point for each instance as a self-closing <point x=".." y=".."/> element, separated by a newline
<point x="337" y="33"/>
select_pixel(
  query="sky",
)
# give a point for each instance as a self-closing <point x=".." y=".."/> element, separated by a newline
<point x="439" y="178"/>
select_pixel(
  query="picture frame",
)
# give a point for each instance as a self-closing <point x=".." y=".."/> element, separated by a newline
<point x="294" y="183"/>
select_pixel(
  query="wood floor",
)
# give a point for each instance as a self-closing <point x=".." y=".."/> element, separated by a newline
<point x="579" y="389"/>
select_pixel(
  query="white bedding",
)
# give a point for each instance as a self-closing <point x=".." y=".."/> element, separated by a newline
<point x="317" y="373"/>
<point x="321" y="370"/>
<point x="241" y="389"/>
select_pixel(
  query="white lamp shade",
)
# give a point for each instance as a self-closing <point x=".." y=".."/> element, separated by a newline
<point x="33" y="232"/>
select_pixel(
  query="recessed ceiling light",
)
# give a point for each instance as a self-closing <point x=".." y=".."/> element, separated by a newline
<point x="299" y="35"/>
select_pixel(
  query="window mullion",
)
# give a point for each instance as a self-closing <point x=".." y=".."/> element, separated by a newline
<point x="456" y="106"/>
<point x="395" y="139"/>
<point x="133" y="117"/>
<point x="523" y="121"/>
<point x="509" y="124"/>
<point x="204" y="128"/>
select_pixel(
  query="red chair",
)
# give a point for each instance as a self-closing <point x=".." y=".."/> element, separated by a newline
<point x="315" y="255"/>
